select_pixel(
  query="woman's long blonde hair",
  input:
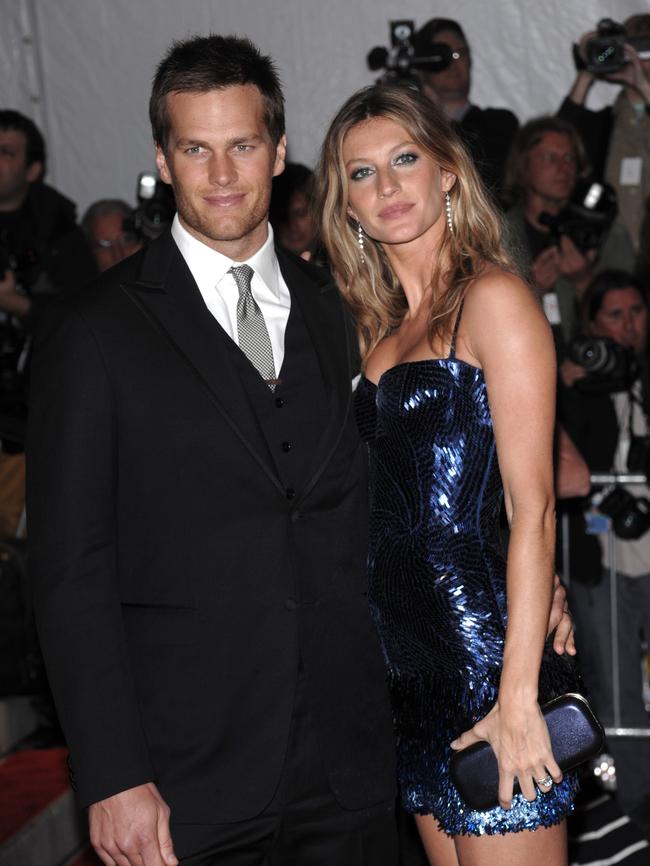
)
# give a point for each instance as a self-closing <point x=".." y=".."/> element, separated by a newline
<point x="370" y="285"/>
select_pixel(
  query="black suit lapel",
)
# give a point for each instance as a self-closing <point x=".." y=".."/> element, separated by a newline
<point x="165" y="292"/>
<point x="320" y="305"/>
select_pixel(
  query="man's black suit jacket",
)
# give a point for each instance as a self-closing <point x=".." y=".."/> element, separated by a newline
<point x="174" y="580"/>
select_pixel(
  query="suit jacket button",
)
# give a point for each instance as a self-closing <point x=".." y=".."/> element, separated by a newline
<point x="290" y="493"/>
<point x="279" y="402"/>
<point x="290" y="603"/>
<point x="286" y="447"/>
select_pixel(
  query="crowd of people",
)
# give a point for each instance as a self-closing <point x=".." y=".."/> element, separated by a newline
<point x="198" y="514"/>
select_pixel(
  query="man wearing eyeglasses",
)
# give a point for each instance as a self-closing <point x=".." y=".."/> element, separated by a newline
<point x="487" y="132"/>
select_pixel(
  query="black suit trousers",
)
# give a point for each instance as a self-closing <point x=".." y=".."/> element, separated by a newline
<point x="302" y="825"/>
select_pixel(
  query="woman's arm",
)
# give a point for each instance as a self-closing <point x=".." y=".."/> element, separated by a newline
<point x="506" y="332"/>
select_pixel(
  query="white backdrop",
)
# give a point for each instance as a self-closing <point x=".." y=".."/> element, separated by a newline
<point x="83" y="68"/>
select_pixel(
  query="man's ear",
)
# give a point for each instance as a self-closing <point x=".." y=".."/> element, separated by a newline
<point x="161" y="164"/>
<point x="280" y="156"/>
<point x="34" y="171"/>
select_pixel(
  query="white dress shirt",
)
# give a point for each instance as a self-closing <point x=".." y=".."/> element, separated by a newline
<point x="219" y="289"/>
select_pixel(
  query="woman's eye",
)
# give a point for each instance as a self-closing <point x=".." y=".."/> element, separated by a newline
<point x="406" y="158"/>
<point x="360" y="173"/>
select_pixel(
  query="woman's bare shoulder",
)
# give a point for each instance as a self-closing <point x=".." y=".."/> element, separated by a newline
<point x="501" y="307"/>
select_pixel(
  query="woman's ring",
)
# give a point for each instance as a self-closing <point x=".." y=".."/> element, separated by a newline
<point x="546" y="782"/>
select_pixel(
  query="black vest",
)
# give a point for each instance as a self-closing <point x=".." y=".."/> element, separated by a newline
<point x="292" y="416"/>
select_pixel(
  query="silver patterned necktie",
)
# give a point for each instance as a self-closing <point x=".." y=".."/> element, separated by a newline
<point x="253" y="334"/>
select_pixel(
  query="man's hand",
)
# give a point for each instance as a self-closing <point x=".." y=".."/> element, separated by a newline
<point x="132" y="828"/>
<point x="560" y="621"/>
<point x="574" y="265"/>
<point x="570" y="372"/>
<point x="10" y="300"/>
<point x="545" y="269"/>
<point x="632" y="75"/>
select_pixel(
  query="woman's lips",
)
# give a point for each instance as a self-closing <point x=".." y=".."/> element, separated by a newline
<point x="395" y="210"/>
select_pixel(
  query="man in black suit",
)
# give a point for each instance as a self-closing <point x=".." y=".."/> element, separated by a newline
<point x="198" y="533"/>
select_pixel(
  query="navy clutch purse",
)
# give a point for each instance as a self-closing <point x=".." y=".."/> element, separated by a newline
<point x="576" y="735"/>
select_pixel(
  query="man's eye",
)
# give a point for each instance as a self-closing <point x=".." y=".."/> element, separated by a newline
<point x="243" y="148"/>
<point x="360" y="173"/>
<point x="406" y="158"/>
<point x="195" y="148"/>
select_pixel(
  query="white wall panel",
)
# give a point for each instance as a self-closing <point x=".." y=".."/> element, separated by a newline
<point x="98" y="58"/>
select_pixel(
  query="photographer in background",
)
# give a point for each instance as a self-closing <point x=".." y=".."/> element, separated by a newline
<point x="487" y="132"/>
<point x="108" y="224"/>
<point x="558" y="242"/>
<point x="617" y="137"/>
<point x="42" y="252"/>
<point x="604" y="411"/>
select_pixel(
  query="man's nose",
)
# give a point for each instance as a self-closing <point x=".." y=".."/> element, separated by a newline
<point x="221" y="171"/>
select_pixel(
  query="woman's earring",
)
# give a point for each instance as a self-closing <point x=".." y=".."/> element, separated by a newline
<point x="448" y="209"/>
<point x="360" y="241"/>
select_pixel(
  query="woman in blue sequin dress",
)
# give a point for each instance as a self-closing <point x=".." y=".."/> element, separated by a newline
<point x="457" y="405"/>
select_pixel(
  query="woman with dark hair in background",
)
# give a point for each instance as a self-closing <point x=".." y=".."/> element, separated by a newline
<point x="291" y="209"/>
<point x="457" y="405"/>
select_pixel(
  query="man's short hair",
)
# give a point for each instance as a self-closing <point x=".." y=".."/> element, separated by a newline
<point x="428" y="32"/>
<point x="105" y="207"/>
<point x="35" y="148"/>
<point x="206" y="63"/>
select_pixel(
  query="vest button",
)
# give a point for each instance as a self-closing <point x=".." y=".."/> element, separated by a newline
<point x="286" y="447"/>
<point x="279" y="402"/>
<point x="290" y="493"/>
<point x="290" y="603"/>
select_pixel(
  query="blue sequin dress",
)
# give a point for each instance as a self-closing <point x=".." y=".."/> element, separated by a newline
<point x="437" y="586"/>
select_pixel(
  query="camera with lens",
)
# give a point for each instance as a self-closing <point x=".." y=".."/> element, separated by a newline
<point x="605" y="53"/>
<point x="586" y="217"/>
<point x="155" y="209"/>
<point x="406" y="55"/>
<point x="610" y="366"/>
<point x="630" y="515"/>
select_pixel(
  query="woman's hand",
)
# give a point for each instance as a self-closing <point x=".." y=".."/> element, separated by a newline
<point x="519" y="738"/>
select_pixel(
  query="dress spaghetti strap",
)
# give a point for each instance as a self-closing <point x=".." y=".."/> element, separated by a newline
<point x="452" y="345"/>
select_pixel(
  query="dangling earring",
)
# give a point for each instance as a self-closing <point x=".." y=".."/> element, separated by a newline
<point x="448" y="209"/>
<point x="360" y="242"/>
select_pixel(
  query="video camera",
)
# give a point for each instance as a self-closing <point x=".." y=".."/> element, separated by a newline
<point x="586" y="217"/>
<point x="155" y="209"/>
<point x="405" y="56"/>
<point x="606" y="52"/>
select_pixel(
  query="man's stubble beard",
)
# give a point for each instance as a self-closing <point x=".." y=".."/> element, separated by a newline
<point x="226" y="228"/>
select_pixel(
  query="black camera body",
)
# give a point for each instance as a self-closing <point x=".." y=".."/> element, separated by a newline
<point x="606" y="51"/>
<point x="405" y="55"/>
<point x="610" y="366"/>
<point x="586" y="217"/>
<point x="630" y="515"/>
<point x="155" y="209"/>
